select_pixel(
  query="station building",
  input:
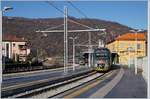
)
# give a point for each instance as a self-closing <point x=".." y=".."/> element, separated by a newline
<point x="129" y="46"/>
<point x="14" y="48"/>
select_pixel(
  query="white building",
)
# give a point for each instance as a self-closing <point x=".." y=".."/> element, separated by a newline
<point x="14" y="48"/>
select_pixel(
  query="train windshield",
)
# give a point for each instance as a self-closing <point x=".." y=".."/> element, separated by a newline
<point x="101" y="54"/>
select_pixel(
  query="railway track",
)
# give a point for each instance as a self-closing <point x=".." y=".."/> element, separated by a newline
<point x="52" y="91"/>
<point x="85" y="85"/>
<point x="30" y="87"/>
<point x="54" y="87"/>
<point x="83" y="90"/>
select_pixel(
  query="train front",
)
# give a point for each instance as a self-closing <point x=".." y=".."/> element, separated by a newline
<point x="102" y="59"/>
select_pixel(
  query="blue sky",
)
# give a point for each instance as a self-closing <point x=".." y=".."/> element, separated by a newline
<point x="131" y="13"/>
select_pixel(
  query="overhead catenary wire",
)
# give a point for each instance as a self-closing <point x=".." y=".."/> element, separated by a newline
<point x="89" y="33"/>
<point x="50" y="3"/>
<point x="55" y="27"/>
<point x="80" y="24"/>
<point x="77" y="9"/>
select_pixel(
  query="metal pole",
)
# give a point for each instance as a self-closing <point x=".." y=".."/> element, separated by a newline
<point x="136" y="54"/>
<point x="37" y="53"/>
<point x="129" y="58"/>
<point x="65" y="40"/>
<point x="99" y="44"/>
<point x="1" y="61"/>
<point x="66" y="10"/>
<point x="89" y="50"/>
<point x="136" y="50"/>
<point x="73" y="54"/>
<point x="105" y="38"/>
<point x="1" y="14"/>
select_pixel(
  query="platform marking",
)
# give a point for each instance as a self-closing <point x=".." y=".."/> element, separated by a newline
<point x="84" y="89"/>
<point x="108" y="87"/>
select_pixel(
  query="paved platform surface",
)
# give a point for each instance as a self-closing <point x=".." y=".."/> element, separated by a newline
<point x="130" y="86"/>
<point x="122" y="84"/>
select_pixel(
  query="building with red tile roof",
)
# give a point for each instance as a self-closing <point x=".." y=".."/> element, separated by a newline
<point x="13" y="38"/>
<point x="14" y="47"/>
<point x="132" y="36"/>
<point x="129" y="46"/>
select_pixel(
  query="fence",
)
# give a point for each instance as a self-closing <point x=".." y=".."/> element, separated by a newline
<point x="142" y="63"/>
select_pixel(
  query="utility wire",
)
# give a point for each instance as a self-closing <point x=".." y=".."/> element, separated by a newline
<point x="50" y="3"/>
<point x="68" y="19"/>
<point x="80" y="12"/>
<point x="77" y="9"/>
<point x="80" y="24"/>
<point x="55" y="27"/>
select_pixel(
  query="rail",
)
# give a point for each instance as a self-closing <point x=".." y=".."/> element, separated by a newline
<point x="25" y="88"/>
<point x="52" y="91"/>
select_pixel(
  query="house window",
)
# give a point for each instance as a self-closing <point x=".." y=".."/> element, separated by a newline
<point x="138" y="46"/>
<point x="7" y="50"/>
<point x="122" y="45"/>
<point x="14" y="44"/>
<point x="22" y="47"/>
<point x="113" y="47"/>
<point x="129" y="45"/>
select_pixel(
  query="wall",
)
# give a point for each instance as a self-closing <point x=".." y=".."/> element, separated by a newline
<point x="142" y="63"/>
<point x="14" y="50"/>
<point x="4" y="49"/>
<point x="121" y="47"/>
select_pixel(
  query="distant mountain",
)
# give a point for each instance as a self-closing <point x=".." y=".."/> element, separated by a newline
<point x="52" y="45"/>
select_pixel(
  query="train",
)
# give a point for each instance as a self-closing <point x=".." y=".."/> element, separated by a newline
<point x="101" y="59"/>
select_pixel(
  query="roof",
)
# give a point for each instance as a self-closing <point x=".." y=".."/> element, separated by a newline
<point x="13" y="38"/>
<point x="132" y="36"/>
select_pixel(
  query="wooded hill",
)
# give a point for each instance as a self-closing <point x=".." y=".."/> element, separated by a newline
<point x="52" y="45"/>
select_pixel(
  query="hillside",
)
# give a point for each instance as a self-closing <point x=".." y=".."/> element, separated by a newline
<point x="52" y="45"/>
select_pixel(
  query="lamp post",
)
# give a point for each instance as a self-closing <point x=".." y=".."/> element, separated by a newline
<point x="6" y="9"/>
<point x="1" y="13"/>
<point x="73" y="38"/>
<point x="136" y="54"/>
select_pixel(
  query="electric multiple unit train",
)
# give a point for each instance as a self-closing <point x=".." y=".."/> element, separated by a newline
<point x="101" y="59"/>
